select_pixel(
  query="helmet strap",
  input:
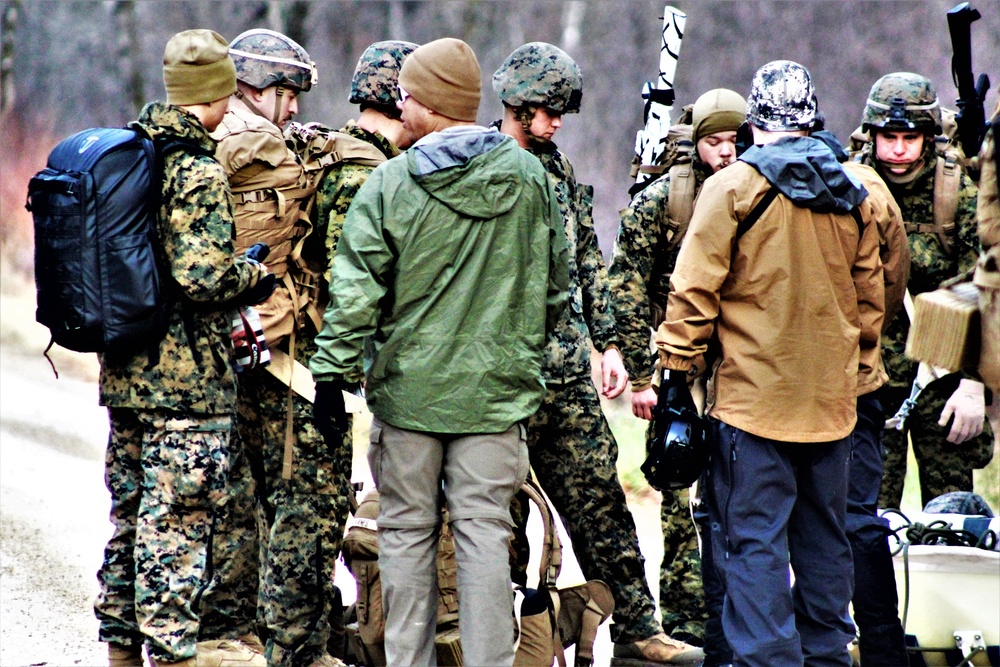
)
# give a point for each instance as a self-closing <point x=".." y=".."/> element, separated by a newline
<point x="278" y="92"/>
<point x="249" y="104"/>
<point x="525" y="115"/>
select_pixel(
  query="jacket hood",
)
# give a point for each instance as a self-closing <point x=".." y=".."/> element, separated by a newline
<point x="159" y="119"/>
<point x="470" y="169"/>
<point x="806" y="171"/>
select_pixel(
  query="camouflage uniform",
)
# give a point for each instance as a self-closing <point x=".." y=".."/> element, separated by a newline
<point x="570" y="444"/>
<point x="943" y="466"/>
<point x="644" y="229"/>
<point x="170" y="455"/>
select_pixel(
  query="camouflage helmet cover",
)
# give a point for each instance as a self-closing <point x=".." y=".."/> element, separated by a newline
<point x="376" y="77"/>
<point x="267" y="58"/>
<point x="782" y="97"/>
<point x="902" y="101"/>
<point x="542" y="74"/>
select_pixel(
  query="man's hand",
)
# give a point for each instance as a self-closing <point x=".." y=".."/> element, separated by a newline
<point x="968" y="407"/>
<point x="329" y="413"/>
<point x="613" y="374"/>
<point x="643" y="403"/>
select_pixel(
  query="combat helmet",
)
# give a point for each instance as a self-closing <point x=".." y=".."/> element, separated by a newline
<point x="376" y="77"/>
<point x="782" y="97"/>
<point x="540" y="74"/>
<point x="267" y="58"/>
<point x="902" y="101"/>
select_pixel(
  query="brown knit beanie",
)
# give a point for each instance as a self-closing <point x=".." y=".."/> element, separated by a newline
<point x="197" y="68"/>
<point x="444" y="76"/>
<point x="719" y="110"/>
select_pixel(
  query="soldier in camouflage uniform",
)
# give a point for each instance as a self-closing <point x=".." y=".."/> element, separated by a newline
<point x="645" y="253"/>
<point x="571" y="447"/>
<point x="171" y="452"/>
<point x="375" y="88"/>
<point x="302" y="500"/>
<point x="902" y="116"/>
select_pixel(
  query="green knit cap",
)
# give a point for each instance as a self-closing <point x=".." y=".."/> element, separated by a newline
<point x="197" y="68"/>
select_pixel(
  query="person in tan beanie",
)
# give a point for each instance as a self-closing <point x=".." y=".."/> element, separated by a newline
<point x="452" y="261"/>
<point x="171" y="457"/>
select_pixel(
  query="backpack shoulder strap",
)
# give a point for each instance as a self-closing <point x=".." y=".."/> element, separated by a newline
<point x="680" y="201"/>
<point x="744" y="225"/>
<point x="947" y="178"/>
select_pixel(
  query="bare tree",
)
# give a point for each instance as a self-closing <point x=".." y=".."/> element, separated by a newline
<point x="8" y="23"/>
<point x="129" y="53"/>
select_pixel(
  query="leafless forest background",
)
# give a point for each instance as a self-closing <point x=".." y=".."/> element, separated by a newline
<point x="72" y="64"/>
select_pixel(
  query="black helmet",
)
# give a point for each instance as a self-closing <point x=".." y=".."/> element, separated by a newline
<point x="678" y="452"/>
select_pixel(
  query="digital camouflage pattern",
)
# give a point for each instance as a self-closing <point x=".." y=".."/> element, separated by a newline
<point x="303" y="518"/>
<point x="540" y="74"/>
<point x="570" y="445"/>
<point x="171" y="417"/>
<point x="943" y="467"/>
<point x="644" y="231"/>
<point x="781" y="97"/>
<point x="284" y="62"/>
<point x="167" y="476"/>
<point x="376" y="76"/>
<point x="573" y="454"/>
<point x="337" y="189"/>
<point x="902" y="101"/>
<point x="191" y="370"/>
<point x="305" y="515"/>
<point x="588" y="316"/>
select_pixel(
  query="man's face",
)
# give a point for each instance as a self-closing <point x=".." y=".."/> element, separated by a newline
<point x="289" y="103"/>
<point x="416" y="119"/>
<point x="545" y="123"/>
<point x="897" y="150"/>
<point x="718" y="149"/>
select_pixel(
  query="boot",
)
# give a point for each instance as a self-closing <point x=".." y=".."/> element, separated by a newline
<point x="659" y="649"/>
<point x="228" y="653"/>
<point x="327" y="660"/>
<point x="124" y="656"/>
<point x="190" y="662"/>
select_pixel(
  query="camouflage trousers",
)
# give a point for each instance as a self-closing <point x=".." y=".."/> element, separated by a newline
<point x="304" y="517"/>
<point x="574" y="456"/>
<point x="942" y="466"/>
<point x="682" y="600"/>
<point x="173" y="479"/>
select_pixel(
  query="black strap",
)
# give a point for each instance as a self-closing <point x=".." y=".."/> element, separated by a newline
<point x="746" y="223"/>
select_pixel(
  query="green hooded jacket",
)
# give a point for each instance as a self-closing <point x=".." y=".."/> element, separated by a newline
<point x="453" y="259"/>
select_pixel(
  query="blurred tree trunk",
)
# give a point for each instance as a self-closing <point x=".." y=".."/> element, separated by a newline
<point x="397" y="20"/>
<point x="130" y="54"/>
<point x="289" y="18"/>
<point x="572" y="21"/>
<point x="8" y="24"/>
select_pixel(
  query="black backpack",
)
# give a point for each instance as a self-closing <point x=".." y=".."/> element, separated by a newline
<point x="101" y="281"/>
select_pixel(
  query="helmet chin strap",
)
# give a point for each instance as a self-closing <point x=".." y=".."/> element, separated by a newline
<point x="525" y="115"/>
<point x="278" y="93"/>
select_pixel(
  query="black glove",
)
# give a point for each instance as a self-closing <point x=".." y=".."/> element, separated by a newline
<point x="258" y="252"/>
<point x="260" y="292"/>
<point x="329" y="412"/>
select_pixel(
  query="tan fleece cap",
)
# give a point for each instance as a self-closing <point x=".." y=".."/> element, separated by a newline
<point x="197" y="68"/>
<point x="719" y="110"/>
<point x="444" y="75"/>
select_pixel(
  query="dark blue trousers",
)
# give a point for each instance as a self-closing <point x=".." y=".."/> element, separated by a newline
<point x="774" y="505"/>
<point x="875" y="601"/>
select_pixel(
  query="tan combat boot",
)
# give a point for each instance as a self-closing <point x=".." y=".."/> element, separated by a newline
<point x="228" y="653"/>
<point x="659" y="649"/>
<point x="124" y="656"/>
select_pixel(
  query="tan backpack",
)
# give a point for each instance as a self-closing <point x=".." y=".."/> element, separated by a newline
<point x="571" y="615"/>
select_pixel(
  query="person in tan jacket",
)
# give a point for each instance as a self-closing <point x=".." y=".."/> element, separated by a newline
<point x="794" y="304"/>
